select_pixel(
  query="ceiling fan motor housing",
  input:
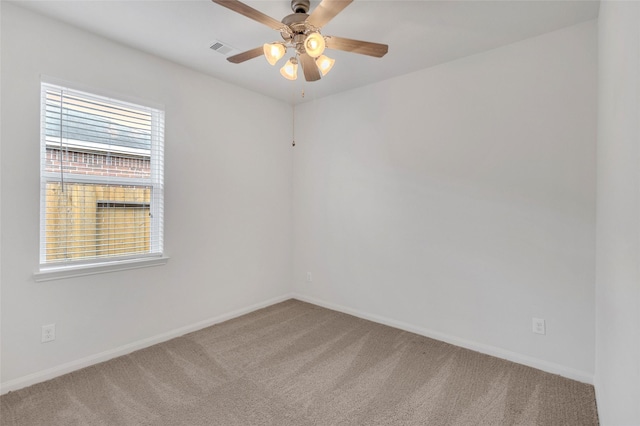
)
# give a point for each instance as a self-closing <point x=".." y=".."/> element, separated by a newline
<point x="296" y="27"/>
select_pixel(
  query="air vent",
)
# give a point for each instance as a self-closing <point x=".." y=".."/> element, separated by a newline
<point x="221" y="47"/>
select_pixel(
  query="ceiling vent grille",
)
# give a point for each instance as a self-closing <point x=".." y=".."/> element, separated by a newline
<point x="221" y="47"/>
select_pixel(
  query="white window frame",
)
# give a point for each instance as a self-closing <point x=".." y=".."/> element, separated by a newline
<point x="66" y="269"/>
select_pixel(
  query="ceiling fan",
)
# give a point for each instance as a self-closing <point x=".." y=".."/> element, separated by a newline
<point x="301" y="32"/>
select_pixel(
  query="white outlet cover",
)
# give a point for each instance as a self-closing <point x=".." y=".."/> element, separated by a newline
<point x="48" y="333"/>
<point x="538" y="326"/>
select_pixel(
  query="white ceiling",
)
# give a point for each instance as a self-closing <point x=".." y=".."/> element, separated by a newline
<point x="420" y="34"/>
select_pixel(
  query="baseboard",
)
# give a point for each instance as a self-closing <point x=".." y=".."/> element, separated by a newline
<point x="549" y="367"/>
<point x="59" y="370"/>
<point x="601" y="407"/>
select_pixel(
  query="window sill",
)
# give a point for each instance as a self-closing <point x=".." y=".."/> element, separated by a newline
<point x="62" y="272"/>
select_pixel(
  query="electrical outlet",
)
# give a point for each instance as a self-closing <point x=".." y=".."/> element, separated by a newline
<point x="538" y="326"/>
<point x="309" y="277"/>
<point x="48" y="333"/>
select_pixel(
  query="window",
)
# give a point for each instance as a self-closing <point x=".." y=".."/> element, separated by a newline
<point x="101" y="169"/>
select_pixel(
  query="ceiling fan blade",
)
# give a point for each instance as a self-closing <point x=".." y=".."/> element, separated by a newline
<point x="326" y="11"/>
<point x="250" y="13"/>
<point x="311" y="71"/>
<point x="245" y="56"/>
<point x="356" y="46"/>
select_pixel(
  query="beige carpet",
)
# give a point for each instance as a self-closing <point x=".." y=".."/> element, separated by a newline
<point x="298" y="364"/>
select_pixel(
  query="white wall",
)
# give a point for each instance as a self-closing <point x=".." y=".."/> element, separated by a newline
<point x="228" y="201"/>
<point x="459" y="201"/>
<point x="618" y="225"/>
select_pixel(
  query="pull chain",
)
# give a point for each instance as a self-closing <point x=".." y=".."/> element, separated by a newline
<point x="293" y="121"/>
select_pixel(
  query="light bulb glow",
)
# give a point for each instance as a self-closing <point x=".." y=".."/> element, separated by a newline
<point x="273" y="52"/>
<point x="314" y="45"/>
<point x="290" y="69"/>
<point x="325" y="64"/>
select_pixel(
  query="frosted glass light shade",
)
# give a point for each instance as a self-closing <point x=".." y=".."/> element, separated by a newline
<point x="273" y="52"/>
<point x="325" y="64"/>
<point x="290" y="69"/>
<point x="314" y="45"/>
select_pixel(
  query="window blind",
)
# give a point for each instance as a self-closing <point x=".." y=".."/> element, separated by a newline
<point x="102" y="178"/>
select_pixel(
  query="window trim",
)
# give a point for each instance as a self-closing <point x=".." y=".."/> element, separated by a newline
<point x="59" y="272"/>
<point x="84" y="267"/>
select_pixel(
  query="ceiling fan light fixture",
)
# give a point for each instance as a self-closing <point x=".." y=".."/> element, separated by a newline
<point x="301" y="31"/>
<point x="325" y="64"/>
<point x="290" y="69"/>
<point x="314" y="44"/>
<point x="273" y="52"/>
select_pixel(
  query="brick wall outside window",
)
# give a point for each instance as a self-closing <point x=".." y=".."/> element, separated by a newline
<point x="96" y="164"/>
